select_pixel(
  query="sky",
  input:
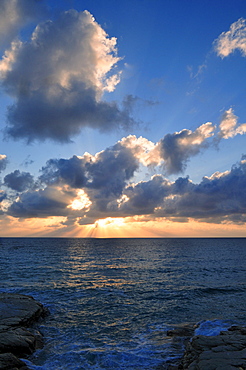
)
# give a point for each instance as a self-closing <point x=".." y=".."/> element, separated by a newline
<point x="122" y="118"/>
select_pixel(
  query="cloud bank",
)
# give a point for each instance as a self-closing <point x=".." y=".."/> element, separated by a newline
<point x="218" y="198"/>
<point x="87" y="188"/>
<point x="58" y="79"/>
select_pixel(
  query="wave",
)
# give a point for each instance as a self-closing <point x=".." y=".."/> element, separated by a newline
<point x="220" y="290"/>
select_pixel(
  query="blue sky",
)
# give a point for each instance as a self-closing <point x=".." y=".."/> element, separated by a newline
<point x="83" y="76"/>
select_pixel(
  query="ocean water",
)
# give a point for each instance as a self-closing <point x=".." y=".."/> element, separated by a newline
<point x="111" y="301"/>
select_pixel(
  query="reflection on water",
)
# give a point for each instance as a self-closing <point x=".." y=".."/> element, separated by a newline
<point x="112" y="300"/>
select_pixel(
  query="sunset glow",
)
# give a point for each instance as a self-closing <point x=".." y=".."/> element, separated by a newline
<point x="110" y="129"/>
<point x="81" y="201"/>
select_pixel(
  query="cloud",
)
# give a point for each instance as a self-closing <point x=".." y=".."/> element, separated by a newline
<point x="144" y="197"/>
<point x="51" y="201"/>
<point x="144" y="150"/>
<point x="231" y="40"/>
<point x="176" y="149"/>
<point x="3" y="162"/>
<point x="229" y="127"/>
<point x="219" y="196"/>
<point x="91" y="187"/>
<point x="3" y="196"/>
<point x="65" y="171"/>
<point x="19" y="181"/>
<point x="108" y="170"/>
<point x="14" y="14"/>
<point x="103" y="176"/>
<point x="58" y="79"/>
<point x="111" y="169"/>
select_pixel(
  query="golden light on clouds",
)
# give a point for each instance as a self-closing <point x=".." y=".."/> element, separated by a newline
<point x="113" y="227"/>
<point x="141" y="227"/>
<point x="82" y="201"/>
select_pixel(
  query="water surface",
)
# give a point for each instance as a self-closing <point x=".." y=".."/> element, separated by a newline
<point x="112" y="300"/>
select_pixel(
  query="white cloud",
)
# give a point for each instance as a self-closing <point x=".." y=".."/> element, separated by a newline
<point x="72" y="47"/>
<point x="173" y="151"/>
<point x="143" y="149"/>
<point x="229" y="126"/>
<point x="14" y="14"/>
<point x="58" y="79"/>
<point x="231" y="40"/>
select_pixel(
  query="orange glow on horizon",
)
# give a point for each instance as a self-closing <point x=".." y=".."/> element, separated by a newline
<point x="112" y="227"/>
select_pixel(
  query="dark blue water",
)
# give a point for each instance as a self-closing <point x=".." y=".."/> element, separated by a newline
<point x="112" y="300"/>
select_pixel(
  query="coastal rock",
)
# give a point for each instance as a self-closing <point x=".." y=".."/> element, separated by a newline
<point x="17" y="313"/>
<point x="184" y="330"/>
<point x="19" y="310"/>
<point x="226" y="351"/>
<point x="9" y="362"/>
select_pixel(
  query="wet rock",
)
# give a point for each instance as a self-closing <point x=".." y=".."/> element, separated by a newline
<point x="17" y="313"/>
<point x="226" y="351"/>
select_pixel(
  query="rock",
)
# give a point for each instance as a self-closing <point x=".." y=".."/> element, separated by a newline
<point x="181" y="331"/>
<point x="226" y="351"/>
<point x="19" y="310"/>
<point x="17" y="313"/>
<point x="18" y="341"/>
<point x="9" y="362"/>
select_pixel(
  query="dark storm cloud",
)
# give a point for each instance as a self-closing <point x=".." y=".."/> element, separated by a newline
<point x="58" y="80"/>
<point x="19" y="181"/>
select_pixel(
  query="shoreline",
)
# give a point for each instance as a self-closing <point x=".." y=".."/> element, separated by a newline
<point x="18" y="339"/>
<point x="224" y="351"/>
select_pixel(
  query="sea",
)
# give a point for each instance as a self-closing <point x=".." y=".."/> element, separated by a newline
<point x="112" y="301"/>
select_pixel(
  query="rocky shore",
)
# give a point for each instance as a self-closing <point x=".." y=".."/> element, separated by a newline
<point x="226" y="351"/>
<point x="18" y="338"/>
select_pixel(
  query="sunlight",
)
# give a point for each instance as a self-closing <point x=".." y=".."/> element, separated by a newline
<point x="108" y="227"/>
<point x="117" y="222"/>
<point x="82" y="201"/>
